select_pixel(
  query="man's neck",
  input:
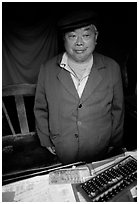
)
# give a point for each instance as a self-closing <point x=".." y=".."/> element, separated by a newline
<point x="80" y="65"/>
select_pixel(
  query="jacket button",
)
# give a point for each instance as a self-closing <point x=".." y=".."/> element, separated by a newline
<point x="76" y="135"/>
<point x="79" y="123"/>
<point x="80" y="105"/>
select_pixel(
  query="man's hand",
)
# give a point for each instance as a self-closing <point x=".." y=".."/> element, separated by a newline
<point x="52" y="150"/>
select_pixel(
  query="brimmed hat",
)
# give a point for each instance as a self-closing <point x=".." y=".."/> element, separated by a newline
<point x="77" y="19"/>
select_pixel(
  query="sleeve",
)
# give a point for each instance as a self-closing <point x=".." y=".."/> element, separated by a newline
<point x="41" y="111"/>
<point x="117" y="108"/>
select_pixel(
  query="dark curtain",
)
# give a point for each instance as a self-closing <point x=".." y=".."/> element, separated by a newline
<point x="25" y="46"/>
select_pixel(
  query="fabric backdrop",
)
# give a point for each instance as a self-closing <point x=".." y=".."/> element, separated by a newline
<point x="24" y="49"/>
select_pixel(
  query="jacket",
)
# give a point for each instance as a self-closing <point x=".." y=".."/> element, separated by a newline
<point x="80" y="128"/>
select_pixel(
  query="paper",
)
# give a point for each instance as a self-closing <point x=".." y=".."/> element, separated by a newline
<point x="134" y="191"/>
<point x="37" y="189"/>
<point x="8" y="196"/>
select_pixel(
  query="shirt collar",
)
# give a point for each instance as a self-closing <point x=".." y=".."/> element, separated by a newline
<point x="64" y="64"/>
<point x="64" y="60"/>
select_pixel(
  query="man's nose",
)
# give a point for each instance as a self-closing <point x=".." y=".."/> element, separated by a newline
<point x="79" y="41"/>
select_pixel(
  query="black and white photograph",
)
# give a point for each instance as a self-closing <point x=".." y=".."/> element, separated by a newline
<point x="69" y="101"/>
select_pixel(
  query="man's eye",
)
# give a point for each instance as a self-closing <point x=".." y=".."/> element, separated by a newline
<point x="72" y="36"/>
<point x="86" y="35"/>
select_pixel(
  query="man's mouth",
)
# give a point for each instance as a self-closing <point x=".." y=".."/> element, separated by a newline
<point x="79" y="51"/>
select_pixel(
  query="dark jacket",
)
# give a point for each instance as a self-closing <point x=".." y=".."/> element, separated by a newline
<point x="80" y="128"/>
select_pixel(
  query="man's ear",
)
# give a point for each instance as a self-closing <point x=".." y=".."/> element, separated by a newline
<point x="96" y="35"/>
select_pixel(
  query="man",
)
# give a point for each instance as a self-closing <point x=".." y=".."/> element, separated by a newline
<point x="79" y="97"/>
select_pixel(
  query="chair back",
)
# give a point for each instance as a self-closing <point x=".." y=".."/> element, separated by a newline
<point x="19" y="92"/>
<point x="21" y="149"/>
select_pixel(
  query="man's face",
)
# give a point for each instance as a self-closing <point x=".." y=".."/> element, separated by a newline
<point x="80" y="43"/>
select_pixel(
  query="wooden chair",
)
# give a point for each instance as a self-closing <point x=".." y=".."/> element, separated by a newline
<point x="21" y="149"/>
<point x="18" y="91"/>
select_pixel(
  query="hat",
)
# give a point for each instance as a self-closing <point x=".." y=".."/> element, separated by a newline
<point x="77" y="19"/>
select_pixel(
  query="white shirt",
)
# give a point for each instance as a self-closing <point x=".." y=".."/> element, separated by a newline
<point x="79" y="83"/>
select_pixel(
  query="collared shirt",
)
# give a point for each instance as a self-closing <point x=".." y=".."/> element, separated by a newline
<point x="79" y="83"/>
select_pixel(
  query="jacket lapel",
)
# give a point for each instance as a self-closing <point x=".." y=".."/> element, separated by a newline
<point x="66" y="80"/>
<point x="94" y="78"/>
